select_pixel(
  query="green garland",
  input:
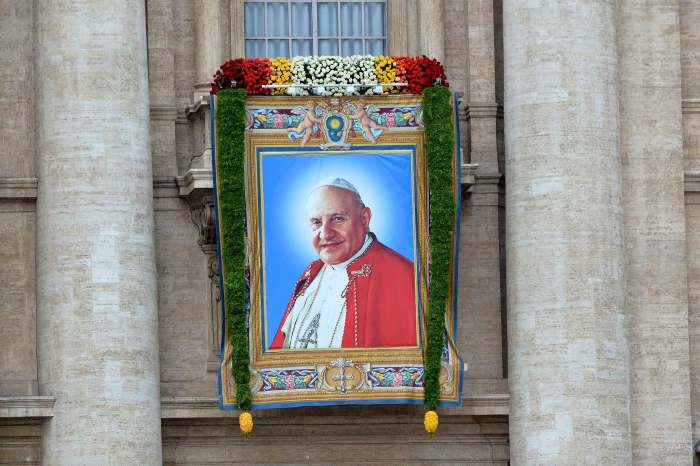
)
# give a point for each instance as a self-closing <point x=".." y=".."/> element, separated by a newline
<point x="437" y="118"/>
<point x="230" y="133"/>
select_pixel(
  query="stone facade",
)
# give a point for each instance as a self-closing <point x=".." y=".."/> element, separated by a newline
<point x="581" y="160"/>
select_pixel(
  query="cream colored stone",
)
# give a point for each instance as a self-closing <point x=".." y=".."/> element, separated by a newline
<point x="568" y="355"/>
<point x="431" y="28"/>
<point x="96" y="284"/>
<point x="654" y="219"/>
<point x="213" y="40"/>
<point x="17" y="142"/>
<point x="18" y="369"/>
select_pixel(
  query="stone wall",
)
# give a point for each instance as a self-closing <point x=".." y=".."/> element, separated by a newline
<point x="183" y="50"/>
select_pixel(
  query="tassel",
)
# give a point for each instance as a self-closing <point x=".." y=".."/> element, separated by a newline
<point x="245" y="421"/>
<point x="430" y="422"/>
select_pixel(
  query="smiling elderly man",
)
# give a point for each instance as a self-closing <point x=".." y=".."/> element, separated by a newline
<point x="359" y="293"/>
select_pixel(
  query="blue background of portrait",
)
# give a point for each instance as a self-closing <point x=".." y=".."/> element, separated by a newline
<point x="385" y="183"/>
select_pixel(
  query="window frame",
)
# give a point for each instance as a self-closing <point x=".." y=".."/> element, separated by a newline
<point x="315" y="38"/>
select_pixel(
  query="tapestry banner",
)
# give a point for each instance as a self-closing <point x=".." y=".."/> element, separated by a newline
<point x="337" y="253"/>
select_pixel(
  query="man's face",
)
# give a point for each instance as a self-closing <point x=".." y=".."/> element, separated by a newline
<point x="338" y="222"/>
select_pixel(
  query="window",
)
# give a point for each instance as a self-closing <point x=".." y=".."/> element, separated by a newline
<point x="312" y="27"/>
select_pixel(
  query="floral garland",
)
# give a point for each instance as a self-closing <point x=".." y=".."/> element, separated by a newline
<point x="359" y="75"/>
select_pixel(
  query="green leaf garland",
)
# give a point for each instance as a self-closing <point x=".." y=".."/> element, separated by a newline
<point x="437" y="118"/>
<point x="230" y="133"/>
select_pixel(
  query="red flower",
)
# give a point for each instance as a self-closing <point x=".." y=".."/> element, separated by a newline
<point x="419" y="72"/>
<point x="248" y="73"/>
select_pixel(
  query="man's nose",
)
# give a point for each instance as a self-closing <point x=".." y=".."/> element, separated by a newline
<point x="326" y="231"/>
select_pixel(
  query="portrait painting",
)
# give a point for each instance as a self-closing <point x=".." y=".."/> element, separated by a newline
<point x="338" y="238"/>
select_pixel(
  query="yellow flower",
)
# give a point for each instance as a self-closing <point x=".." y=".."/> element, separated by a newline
<point x="430" y="422"/>
<point x="385" y="70"/>
<point x="262" y="118"/>
<point x="273" y="379"/>
<point x="245" y="421"/>
<point x="280" y="73"/>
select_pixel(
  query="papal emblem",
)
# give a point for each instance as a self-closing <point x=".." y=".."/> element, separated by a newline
<point x="336" y="127"/>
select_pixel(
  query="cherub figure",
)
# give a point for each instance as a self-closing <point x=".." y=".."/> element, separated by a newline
<point x="370" y="129"/>
<point x="308" y="126"/>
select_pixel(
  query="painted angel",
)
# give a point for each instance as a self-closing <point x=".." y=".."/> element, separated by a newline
<point x="309" y="124"/>
<point x="371" y="130"/>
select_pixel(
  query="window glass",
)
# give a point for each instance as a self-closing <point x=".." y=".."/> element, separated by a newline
<point x="375" y="46"/>
<point x="351" y="47"/>
<point x="254" y="19"/>
<point x="374" y="15"/>
<point x="277" y="20"/>
<point x="328" y="47"/>
<point x="313" y="27"/>
<point x="301" y="20"/>
<point x="327" y="19"/>
<point x="302" y="47"/>
<point x="278" y="48"/>
<point x="351" y="19"/>
<point x="255" y="48"/>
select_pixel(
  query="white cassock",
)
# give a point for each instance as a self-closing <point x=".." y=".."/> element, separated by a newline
<point x="317" y="319"/>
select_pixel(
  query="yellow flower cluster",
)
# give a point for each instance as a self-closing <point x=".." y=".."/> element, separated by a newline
<point x="245" y="421"/>
<point x="430" y="422"/>
<point x="280" y="73"/>
<point x="385" y="69"/>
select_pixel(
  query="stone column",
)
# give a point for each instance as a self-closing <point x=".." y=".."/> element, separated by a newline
<point x="690" y="70"/>
<point x="213" y="36"/>
<point x="651" y="142"/>
<point x="237" y="29"/>
<point x="213" y="47"/>
<point x="397" y="27"/>
<point x="481" y="340"/>
<point x="96" y="285"/>
<point x="431" y="28"/>
<point x="568" y="357"/>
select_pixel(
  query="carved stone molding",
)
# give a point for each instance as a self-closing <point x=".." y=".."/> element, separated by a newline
<point x="496" y="404"/>
<point x="203" y="217"/>
<point x="200" y="99"/>
<point x="164" y="113"/>
<point x="192" y="407"/>
<point x="690" y="106"/>
<point x="196" y="188"/>
<point x="483" y="110"/>
<point x="692" y="182"/>
<point x="468" y="174"/>
<point x="198" y="115"/>
<point x="195" y="184"/>
<point x="18" y="188"/>
<point x="27" y="406"/>
<point x="215" y="310"/>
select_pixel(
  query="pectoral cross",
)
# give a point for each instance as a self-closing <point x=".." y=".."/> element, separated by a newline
<point x="310" y="336"/>
<point x="342" y="363"/>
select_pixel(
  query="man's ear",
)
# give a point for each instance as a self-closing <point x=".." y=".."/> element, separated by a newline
<point x="366" y="217"/>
